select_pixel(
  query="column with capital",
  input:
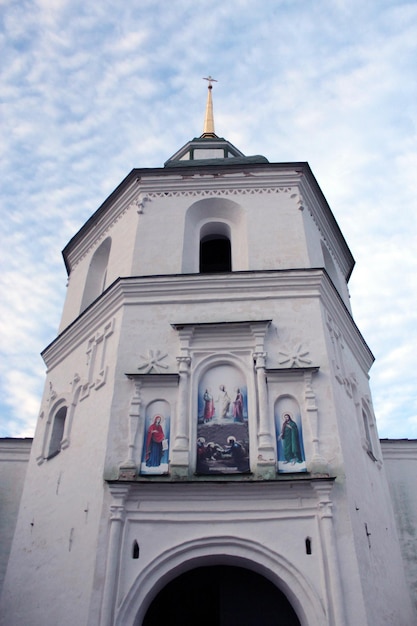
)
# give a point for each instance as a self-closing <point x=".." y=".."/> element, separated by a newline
<point x="117" y="517"/>
<point x="331" y="564"/>
<point x="128" y="469"/>
<point x="180" y="451"/>
<point x="318" y="464"/>
<point x="266" y="454"/>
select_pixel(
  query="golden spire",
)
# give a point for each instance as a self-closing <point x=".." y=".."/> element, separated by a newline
<point x="208" y="130"/>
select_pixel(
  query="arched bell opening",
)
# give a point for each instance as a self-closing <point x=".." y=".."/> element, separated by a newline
<point x="221" y="595"/>
<point x="215" y="237"/>
<point x="215" y="254"/>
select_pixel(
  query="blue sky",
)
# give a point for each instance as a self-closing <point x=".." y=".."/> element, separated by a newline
<point x="90" y="90"/>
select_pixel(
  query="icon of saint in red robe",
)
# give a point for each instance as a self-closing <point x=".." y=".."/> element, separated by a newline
<point x="154" y="439"/>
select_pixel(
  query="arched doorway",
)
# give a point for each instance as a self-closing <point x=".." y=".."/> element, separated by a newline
<point x="221" y="595"/>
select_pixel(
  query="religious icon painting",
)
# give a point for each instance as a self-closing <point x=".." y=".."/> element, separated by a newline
<point x="155" y="453"/>
<point x="222" y="429"/>
<point x="289" y="432"/>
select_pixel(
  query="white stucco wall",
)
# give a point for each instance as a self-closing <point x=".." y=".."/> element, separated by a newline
<point x="56" y="538"/>
<point x="78" y="520"/>
<point x="400" y="460"/>
<point x="14" y="456"/>
<point x="155" y="225"/>
<point x="121" y="229"/>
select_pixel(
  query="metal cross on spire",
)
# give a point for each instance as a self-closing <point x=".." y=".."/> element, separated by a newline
<point x="209" y="119"/>
<point x="210" y="80"/>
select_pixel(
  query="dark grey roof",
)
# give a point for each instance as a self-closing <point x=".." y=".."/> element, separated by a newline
<point x="257" y="158"/>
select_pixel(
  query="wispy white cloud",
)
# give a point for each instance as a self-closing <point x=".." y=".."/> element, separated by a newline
<point x="91" y="90"/>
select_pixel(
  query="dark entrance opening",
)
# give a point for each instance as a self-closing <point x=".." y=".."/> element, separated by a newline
<point x="215" y="254"/>
<point x="221" y="595"/>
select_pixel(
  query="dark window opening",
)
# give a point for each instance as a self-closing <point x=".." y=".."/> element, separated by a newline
<point x="308" y="545"/>
<point x="215" y="254"/>
<point x="135" y="550"/>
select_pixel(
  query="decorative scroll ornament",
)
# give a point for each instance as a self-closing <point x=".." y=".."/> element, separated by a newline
<point x="139" y="203"/>
<point x="299" y="200"/>
<point x="52" y="393"/>
<point x="152" y="361"/>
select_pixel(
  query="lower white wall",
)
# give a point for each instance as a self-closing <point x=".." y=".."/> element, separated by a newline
<point x="14" y="456"/>
<point x="400" y="460"/>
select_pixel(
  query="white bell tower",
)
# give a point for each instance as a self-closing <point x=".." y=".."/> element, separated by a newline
<point x="206" y="445"/>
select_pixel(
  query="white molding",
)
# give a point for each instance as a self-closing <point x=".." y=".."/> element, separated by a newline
<point x="329" y="228"/>
<point x="242" y="287"/>
<point x="103" y="224"/>
<point x="399" y="449"/>
<point x="15" y="449"/>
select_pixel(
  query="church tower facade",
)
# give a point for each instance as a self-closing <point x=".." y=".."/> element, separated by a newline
<point x="206" y="449"/>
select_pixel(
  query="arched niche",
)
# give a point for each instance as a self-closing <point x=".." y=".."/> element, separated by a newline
<point x="222" y="420"/>
<point x="221" y="551"/>
<point x="217" y="218"/>
<point x="289" y="434"/>
<point x="156" y="440"/>
<point x="57" y="430"/>
<point x="97" y="272"/>
<point x="368" y="442"/>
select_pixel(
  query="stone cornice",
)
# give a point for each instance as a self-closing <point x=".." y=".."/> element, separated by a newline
<point x="220" y="183"/>
<point x="159" y="380"/>
<point x="98" y="226"/>
<point x="193" y="288"/>
<point x="162" y="492"/>
<point x="344" y="320"/>
<point x="288" y="373"/>
<point x="321" y="213"/>
<point x="96" y="316"/>
<point x="146" y="185"/>
<point x="14" y="449"/>
<point x="233" y="286"/>
<point x="193" y="185"/>
<point x="399" y="449"/>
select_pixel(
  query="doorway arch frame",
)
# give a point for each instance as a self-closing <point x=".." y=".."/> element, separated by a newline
<point x="221" y="550"/>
